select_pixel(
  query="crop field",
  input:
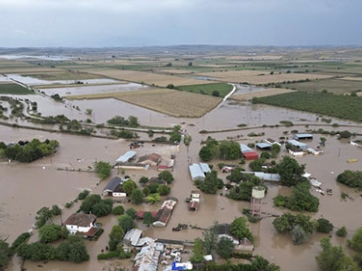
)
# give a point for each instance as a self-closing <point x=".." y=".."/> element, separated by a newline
<point x="260" y="93"/>
<point x="63" y="75"/>
<point x="261" y="77"/>
<point x="166" y="101"/>
<point x="149" y="78"/>
<point x="359" y="79"/>
<point x="208" y="89"/>
<point x="324" y="104"/>
<point x="335" y="86"/>
<point x="14" y="89"/>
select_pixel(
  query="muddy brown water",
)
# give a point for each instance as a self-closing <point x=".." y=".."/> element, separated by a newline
<point x="25" y="188"/>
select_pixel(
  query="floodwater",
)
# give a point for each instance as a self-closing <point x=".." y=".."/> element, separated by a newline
<point x="41" y="57"/>
<point x="25" y="188"/>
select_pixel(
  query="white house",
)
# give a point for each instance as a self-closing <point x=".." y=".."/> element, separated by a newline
<point x="80" y="223"/>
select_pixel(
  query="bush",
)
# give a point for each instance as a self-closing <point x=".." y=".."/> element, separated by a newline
<point x="82" y="195"/>
<point x="324" y="226"/>
<point x="342" y="232"/>
<point x="108" y="255"/>
<point x="22" y="238"/>
<point x="118" y="210"/>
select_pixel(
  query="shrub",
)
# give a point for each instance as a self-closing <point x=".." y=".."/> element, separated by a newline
<point x="108" y="255"/>
<point x="342" y="232"/>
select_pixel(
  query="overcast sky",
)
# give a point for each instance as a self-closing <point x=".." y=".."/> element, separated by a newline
<point x="111" y="23"/>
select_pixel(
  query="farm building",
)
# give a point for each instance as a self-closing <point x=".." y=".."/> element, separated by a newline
<point x="297" y="144"/>
<point x="263" y="146"/>
<point x="248" y="153"/>
<point x="132" y="236"/>
<point x="205" y="168"/>
<point x="303" y="137"/>
<point x="269" y="177"/>
<point x="164" y="213"/>
<point x="147" y="258"/>
<point x="114" y="188"/>
<point x="150" y="159"/>
<point x="127" y="157"/>
<point x="271" y="141"/>
<point x="313" y="151"/>
<point x="197" y="174"/>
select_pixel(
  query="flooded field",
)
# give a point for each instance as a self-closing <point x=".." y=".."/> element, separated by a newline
<point x="25" y="188"/>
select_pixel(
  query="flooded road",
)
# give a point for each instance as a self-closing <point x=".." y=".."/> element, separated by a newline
<point x="25" y="188"/>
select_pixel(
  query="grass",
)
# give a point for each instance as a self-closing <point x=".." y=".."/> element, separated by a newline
<point x="208" y="89"/>
<point x="14" y="89"/>
<point x="324" y="104"/>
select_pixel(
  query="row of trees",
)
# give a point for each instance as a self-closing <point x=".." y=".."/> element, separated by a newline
<point x="30" y="151"/>
<point x="225" y="150"/>
<point x="132" y="121"/>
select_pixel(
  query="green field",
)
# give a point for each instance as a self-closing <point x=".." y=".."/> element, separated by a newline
<point x="14" y="89"/>
<point x="336" y="86"/>
<point x="208" y="89"/>
<point x="324" y="104"/>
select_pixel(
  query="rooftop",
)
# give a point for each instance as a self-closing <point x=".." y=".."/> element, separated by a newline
<point x="80" y="219"/>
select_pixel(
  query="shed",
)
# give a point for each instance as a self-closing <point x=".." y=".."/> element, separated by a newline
<point x="133" y="236"/>
<point x="196" y="172"/>
<point x="250" y="155"/>
<point x="126" y="157"/>
<point x="270" y="177"/>
<point x="297" y="144"/>
<point x="245" y="148"/>
<point x="303" y="136"/>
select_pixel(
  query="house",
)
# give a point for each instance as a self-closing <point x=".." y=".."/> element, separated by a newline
<point x="141" y="213"/>
<point x="150" y="159"/>
<point x="83" y="224"/>
<point x="164" y="213"/>
<point x="114" y="188"/>
<point x="127" y="157"/>
<point x="196" y="172"/>
<point x="303" y="136"/>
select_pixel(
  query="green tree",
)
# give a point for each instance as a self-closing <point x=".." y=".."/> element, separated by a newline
<point x="56" y="210"/>
<point x="132" y="213"/>
<point x="356" y="242"/>
<point x="21" y="239"/>
<point x="229" y="150"/>
<point x="210" y="184"/>
<point x="4" y="254"/>
<point x="137" y="196"/>
<point x="351" y="178"/>
<point x="205" y="154"/>
<point x="133" y="121"/>
<point x="240" y="230"/>
<point x="126" y="222"/>
<point x="225" y="247"/>
<point x="290" y="171"/>
<point x="128" y="186"/>
<point x="209" y="239"/>
<point x="324" y="225"/>
<point x="148" y="218"/>
<point x="43" y="216"/>
<point x="88" y="203"/>
<point x="342" y="232"/>
<point x="62" y="251"/>
<point x="143" y="180"/>
<point x="118" y="210"/>
<point x="77" y="252"/>
<point x="115" y="236"/>
<point x="153" y="198"/>
<point x="236" y="176"/>
<point x="163" y="190"/>
<point x="101" y="208"/>
<point x="332" y="258"/>
<point x="216" y="93"/>
<point x="103" y="169"/>
<point x="198" y="251"/>
<point x="299" y="235"/>
<point x="50" y="233"/>
<point x="166" y="176"/>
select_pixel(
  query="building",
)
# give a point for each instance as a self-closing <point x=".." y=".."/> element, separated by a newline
<point x="83" y="224"/>
<point x="147" y="258"/>
<point x="272" y="141"/>
<point x="114" y="188"/>
<point x="141" y="213"/>
<point x="298" y="145"/>
<point x="150" y="159"/>
<point x="194" y="200"/>
<point x="196" y="173"/>
<point x="127" y="157"/>
<point x="263" y="146"/>
<point x="269" y="177"/>
<point x="164" y="213"/>
<point x="248" y="153"/>
<point x="303" y="136"/>
<point x="133" y="236"/>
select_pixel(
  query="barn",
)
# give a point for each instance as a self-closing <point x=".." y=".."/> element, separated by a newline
<point x="248" y="153"/>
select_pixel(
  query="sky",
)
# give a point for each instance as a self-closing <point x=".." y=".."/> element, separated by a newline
<point x="124" y="23"/>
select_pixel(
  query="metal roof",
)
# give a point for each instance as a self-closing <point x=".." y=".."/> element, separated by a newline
<point x="133" y="235"/>
<point x="113" y="184"/>
<point x="302" y="135"/>
<point x="126" y="157"/>
<point x="297" y="143"/>
<point x="272" y="177"/>
<point x="245" y="148"/>
<point x="263" y="145"/>
<point x="205" y="167"/>
<point x="196" y="172"/>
